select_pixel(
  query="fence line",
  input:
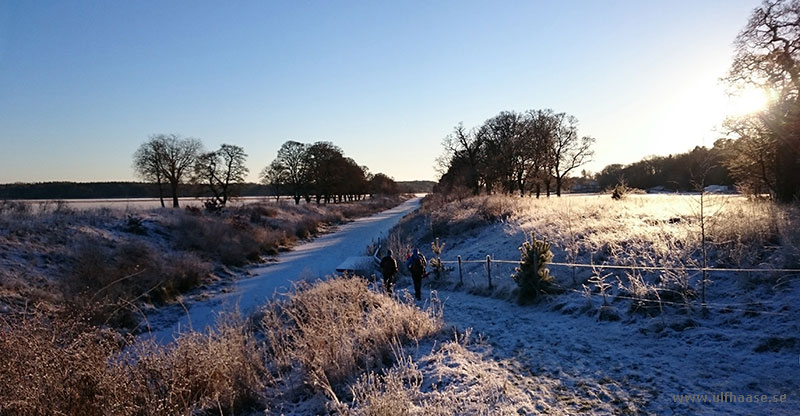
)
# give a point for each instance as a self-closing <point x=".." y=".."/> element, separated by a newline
<point x="719" y="306"/>
<point x="624" y="267"/>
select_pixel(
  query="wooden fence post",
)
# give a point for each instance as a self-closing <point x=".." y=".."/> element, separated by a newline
<point x="489" y="269"/>
<point x="460" y="274"/>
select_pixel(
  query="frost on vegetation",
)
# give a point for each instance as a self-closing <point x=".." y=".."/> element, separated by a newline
<point x="312" y="343"/>
<point x="333" y="330"/>
<point x="532" y="275"/>
<point x="460" y="376"/>
<point x="53" y="252"/>
<point x="436" y="262"/>
<point x="647" y="231"/>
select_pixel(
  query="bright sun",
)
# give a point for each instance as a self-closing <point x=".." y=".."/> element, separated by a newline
<point x="747" y="101"/>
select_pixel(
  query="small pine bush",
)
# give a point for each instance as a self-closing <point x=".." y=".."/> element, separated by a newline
<point x="532" y="275"/>
<point x="436" y="263"/>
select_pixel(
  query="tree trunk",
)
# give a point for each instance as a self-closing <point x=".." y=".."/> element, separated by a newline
<point x="787" y="183"/>
<point x="558" y="186"/>
<point x="161" y="193"/>
<point x="174" y="186"/>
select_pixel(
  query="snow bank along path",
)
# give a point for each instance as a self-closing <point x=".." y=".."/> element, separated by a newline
<point x="314" y="259"/>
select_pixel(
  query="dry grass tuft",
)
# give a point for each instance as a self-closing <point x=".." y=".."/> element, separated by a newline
<point x="63" y="366"/>
<point x="336" y="329"/>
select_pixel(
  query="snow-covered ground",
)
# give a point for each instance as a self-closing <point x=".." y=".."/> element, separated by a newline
<point x="315" y="259"/>
<point x="559" y="357"/>
<point x="632" y="367"/>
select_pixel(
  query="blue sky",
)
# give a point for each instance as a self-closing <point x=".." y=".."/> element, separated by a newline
<point x="83" y="84"/>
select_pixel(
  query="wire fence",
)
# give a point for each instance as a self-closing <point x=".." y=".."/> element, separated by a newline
<point x="727" y="307"/>
<point x="630" y="267"/>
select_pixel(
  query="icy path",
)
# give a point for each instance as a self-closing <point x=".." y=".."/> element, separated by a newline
<point x="316" y="258"/>
<point x="616" y="362"/>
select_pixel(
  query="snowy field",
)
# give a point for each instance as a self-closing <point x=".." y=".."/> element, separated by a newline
<point x="642" y="344"/>
<point x="658" y="355"/>
<point x="560" y="356"/>
<point x="140" y="204"/>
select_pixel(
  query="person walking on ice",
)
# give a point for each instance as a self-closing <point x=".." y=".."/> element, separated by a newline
<point x="389" y="271"/>
<point x="416" y="265"/>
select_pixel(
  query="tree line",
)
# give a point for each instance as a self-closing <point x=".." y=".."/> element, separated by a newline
<point x="524" y="153"/>
<point x="319" y="171"/>
<point x="681" y="172"/>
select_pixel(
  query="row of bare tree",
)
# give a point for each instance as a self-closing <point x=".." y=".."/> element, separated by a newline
<point x="320" y="171"/>
<point x="514" y="152"/>
<point x="170" y="160"/>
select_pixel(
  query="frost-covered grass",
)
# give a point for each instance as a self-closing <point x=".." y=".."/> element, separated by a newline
<point x="640" y="230"/>
<point x="339" y="347"/>
<point x="302" y="353"/>
<point x="459" y="376"/>
<point x="617" y="341"/>
<point x="115" y="260"/>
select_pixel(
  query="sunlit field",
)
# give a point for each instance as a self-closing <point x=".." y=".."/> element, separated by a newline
<point x="607" y="328"/>
<point x="640" y="230"/>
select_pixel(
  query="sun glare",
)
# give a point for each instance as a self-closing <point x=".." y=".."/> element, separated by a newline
<point x="747" y="101"/>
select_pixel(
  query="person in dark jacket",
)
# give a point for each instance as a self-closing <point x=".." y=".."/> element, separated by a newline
<point x="389" y="270"/>
<point x="416" y="265"/>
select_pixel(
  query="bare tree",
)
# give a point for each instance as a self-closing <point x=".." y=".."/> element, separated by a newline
<point x="293" y="162"/>
<point x="381" y="183"/>
<point x="178" y="158"/>
<point x="465" y="149"/>
<point x="276" y="175"/>
<point x="327" y="170"/>
<point x="541" y="126"/>
<point x="147" y="162"/>
<point x="768" y="49"/>
<point x="221" y="171"/>
<point x="751" y="155"/>
<point x="568" y="150"/>
<point x="167" y="158"/>
<point x="505" y="157"/>
<point x="514" y="152"/>
<point x="768" y="56"/>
